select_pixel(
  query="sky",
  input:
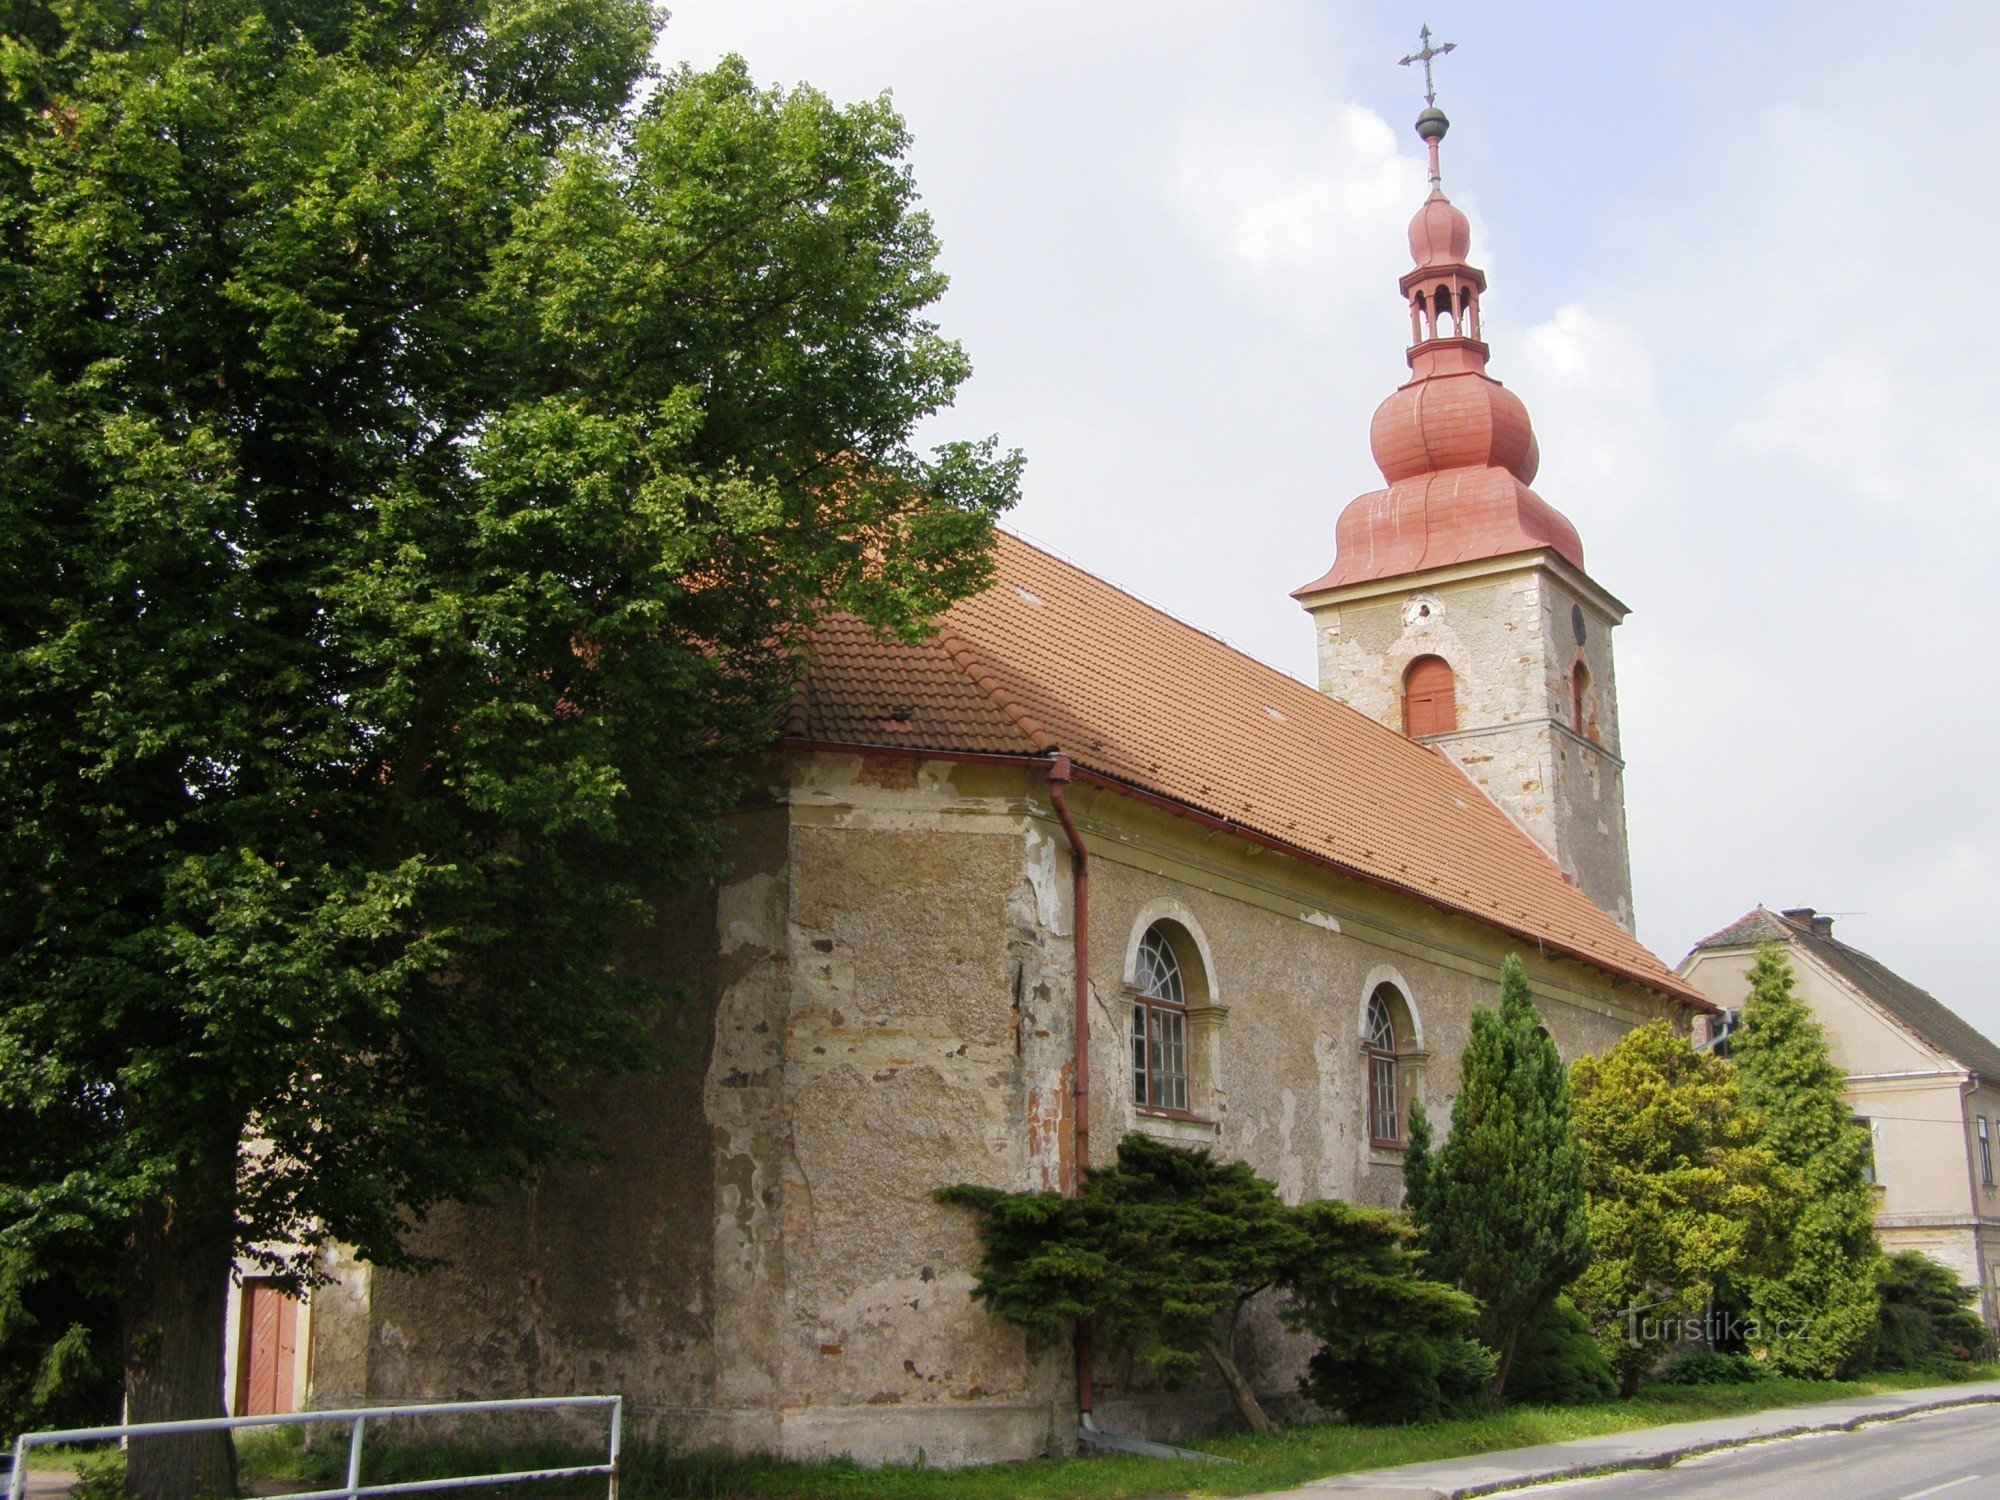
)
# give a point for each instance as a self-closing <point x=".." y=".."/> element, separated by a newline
<point x="1734" y="256"/>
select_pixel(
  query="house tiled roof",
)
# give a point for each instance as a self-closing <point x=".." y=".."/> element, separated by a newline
<point x="1917" y="1009"/>
<point x="1050" y="657"/>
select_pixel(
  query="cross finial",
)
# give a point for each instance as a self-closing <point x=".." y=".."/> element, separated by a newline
<point x="1423" y="55"/>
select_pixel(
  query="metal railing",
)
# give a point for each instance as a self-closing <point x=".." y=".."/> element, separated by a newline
<point x="358" y="1419"/>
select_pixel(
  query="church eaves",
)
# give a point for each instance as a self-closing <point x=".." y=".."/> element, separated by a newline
<point x="1052" y="657"/>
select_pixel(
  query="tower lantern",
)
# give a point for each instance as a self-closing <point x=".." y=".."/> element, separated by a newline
<point x="1457" y="608"/>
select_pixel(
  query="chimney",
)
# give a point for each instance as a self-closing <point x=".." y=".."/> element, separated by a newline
<point x="1808" y="918"/>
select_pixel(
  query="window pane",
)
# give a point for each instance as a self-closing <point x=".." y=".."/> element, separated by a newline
<point x="1381" y="1025"/>
<point x="1138" y="1054"/>
<point x="1174" y="1072"/>
<point x="1158" y="971"/>
<point x="1382" y="1098"/>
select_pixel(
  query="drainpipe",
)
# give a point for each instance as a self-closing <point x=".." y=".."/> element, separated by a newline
<point x="1059" y="776"/>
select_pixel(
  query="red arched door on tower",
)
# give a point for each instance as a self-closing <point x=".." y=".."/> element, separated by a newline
<point x="1430" y="704"/>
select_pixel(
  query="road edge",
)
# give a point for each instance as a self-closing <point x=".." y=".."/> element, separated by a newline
<point x="1335" y="1486"/>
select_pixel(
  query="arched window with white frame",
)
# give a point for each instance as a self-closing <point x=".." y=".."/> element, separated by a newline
<point x="1382" y="1042"/>
<point x="1159" y="1025"/>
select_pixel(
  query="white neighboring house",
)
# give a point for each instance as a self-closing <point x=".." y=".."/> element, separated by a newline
<point x="1925" y="1081"/>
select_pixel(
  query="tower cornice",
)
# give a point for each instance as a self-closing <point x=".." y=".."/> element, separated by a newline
<point x="1547" y="559"/>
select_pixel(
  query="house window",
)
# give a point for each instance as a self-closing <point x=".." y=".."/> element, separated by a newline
<point x="1385" y="1119"/>
<point x="1869" y="1170"/>
<point x="1430" y="704"/>
<point x="1985" y="1155"/>
<point x="1159" y="1026"/>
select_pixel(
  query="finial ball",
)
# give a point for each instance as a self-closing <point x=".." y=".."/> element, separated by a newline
<point x="1432" y="124"/>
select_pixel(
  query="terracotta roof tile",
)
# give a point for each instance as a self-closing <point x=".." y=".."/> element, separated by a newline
<point x="1051" y="656"/>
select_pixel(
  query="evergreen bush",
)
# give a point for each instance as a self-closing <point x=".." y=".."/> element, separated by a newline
<point x="1165" y="1249"/>
<point x="1813" y="1306"/>
<point x="1501" y="1204"/>
<point x="1560" y="1363"/>
<point x="1394" y="1347"/>
<point x="1927" y="1321"/>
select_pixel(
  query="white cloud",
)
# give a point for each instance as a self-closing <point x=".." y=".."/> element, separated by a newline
<point x="1589" y="384"/>
<point x="1319" y="193"/>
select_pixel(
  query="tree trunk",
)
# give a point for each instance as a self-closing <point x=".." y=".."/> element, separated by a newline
<point x="174" y="1298"/>
<point x="1239" y="1388"/>
<point x="1497" y="1386"/>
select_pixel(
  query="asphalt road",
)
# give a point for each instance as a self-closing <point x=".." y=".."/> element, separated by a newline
<point x="1953" y="1455"/>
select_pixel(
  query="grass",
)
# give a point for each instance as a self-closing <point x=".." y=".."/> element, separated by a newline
<point x="1288" y="1458"/>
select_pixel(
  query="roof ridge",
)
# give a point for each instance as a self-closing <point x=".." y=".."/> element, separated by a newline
<point x="988" y="682"/>
<point x="1760" y="909"/>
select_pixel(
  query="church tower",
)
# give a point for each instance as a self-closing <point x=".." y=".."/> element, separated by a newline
<point x="1457" y="610"/>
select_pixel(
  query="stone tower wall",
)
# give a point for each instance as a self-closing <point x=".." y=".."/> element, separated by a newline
<point x="1511" y="639"/>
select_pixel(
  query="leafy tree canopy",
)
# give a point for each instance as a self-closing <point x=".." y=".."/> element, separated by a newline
<point x="429" y="440"/>
<point x="1500" y="1203"/>
<point x="1813" y="1306"/>
<point x="1680" y="1192"/>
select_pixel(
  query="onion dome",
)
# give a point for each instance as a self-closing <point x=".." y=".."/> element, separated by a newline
<point x="1455" y="446"/>
<point x="1440" y="235"/>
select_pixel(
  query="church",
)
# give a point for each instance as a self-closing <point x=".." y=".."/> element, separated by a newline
<point x="1070" y="868"/>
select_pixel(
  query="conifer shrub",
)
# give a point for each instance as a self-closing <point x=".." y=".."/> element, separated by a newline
<point x="1394" y="1346"/>
<point x="1560" y="1363"/>
<point x="1500" y="1205"/>
<point x="1927" y="1321"/>
<point x="1812" y="1303"/>
<point x="1165" y="1249"/>
<point x="1680" y="1192"/>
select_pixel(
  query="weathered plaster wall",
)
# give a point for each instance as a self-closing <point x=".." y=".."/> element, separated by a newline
<point x="1292" y="954"/>
<point x="926" y="1048"/>
<point x="642" y="1271"/>
<point x="1511" y="638"/>
<point x="880" y="1005"/>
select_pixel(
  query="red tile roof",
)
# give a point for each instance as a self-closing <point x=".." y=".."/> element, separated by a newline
<point x="1051" y="657"/>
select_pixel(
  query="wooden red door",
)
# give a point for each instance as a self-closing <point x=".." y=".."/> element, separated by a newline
<point x="1429" y="702"/>
<point x="267" y="1350"/>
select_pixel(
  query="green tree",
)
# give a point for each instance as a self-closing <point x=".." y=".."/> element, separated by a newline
<point x="1501" y="1205"/>
<point x="1559" y="1362"/>
<point x="1163" y="1249"/>
<point x="1927" y="1319"/>
<point x="428" y="446"/>
<point x="1393" y="1345"/>
<point x="59" y="1364"/>
<point x="1680" y="1193"/>
<point x="1813" y="1305"/>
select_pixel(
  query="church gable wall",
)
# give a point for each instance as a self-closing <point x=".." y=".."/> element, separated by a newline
<point x="926" y="1045"/>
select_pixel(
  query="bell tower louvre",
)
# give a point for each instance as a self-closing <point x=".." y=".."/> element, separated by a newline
<point x="1457" y="609"/>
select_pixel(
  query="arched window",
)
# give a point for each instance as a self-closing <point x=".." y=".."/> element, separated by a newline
<point x="1385" y="1118"/>
<point x="1159" y="1025"/>
<point x="1579" y="699"/>
<point x="1430" y="702"/>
